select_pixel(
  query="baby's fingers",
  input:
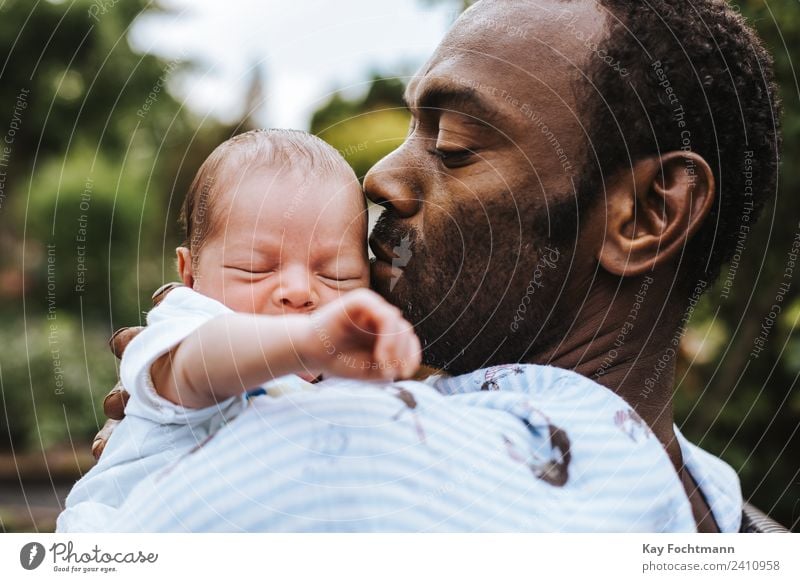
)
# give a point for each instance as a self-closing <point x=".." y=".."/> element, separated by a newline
<point x="412" y="358"/>
<point x="397" y="351"/>
<point x="406" y="351"/>
<point x="385" y="349"/>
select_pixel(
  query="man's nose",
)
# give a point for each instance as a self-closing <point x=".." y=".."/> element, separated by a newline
<point x="295" y="292"/>
<point x="392" y="182"/>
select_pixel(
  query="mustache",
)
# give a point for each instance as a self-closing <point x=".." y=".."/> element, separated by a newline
<point x="390" y="232"/>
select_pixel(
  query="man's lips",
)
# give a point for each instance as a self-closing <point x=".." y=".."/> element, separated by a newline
<point x="380" y="252"/>
<point x="382" y="268"/>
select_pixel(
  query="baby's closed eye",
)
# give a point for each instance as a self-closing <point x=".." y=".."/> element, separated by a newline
<point x="251" y="269"/>
<point x="342" y="280"/>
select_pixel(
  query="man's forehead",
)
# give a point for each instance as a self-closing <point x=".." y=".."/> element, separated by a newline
<point x="550" y="40"/>
<point x="495" y="21"/>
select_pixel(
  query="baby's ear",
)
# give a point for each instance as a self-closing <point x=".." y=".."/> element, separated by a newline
<point x="184" y="256"/>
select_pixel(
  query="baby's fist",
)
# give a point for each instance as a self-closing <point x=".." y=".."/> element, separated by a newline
<point x="361" y="335"/>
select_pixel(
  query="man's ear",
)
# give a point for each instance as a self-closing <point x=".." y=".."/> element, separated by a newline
<point x="185" y="266"/>
<point x="653" y="209"/>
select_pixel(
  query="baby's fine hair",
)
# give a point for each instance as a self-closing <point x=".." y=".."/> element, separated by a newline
<point x="280" y="149"/>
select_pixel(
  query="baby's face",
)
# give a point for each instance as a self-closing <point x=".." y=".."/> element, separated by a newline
<point x="284" y="243"/>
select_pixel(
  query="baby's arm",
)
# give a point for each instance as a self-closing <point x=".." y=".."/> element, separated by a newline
<point x="358" y="336"/>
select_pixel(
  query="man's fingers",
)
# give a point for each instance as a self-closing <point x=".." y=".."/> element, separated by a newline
<point x="102" y="437"/>
<point x="163" y="291"/>
<point x="121" y="338"/>
<point x="115" y="401"/>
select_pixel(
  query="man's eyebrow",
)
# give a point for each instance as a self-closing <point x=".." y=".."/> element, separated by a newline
<point x="461" y="99"/>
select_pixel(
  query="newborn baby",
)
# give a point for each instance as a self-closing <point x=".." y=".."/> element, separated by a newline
<point x="276" y="230"/>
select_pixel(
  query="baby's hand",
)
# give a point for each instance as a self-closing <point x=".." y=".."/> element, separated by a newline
<point x="362" y="336"/>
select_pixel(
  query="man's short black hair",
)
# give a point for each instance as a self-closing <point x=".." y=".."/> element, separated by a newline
<point x="676" y="74"/>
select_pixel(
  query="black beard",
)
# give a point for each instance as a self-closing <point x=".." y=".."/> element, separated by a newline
<point x="478" y="299"/>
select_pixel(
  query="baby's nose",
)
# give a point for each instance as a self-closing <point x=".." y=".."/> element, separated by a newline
<point x="296" y="303"/>
<point x="296" y="294"/>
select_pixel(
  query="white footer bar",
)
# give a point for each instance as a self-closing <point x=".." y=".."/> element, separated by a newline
<point x="389" y="557"/>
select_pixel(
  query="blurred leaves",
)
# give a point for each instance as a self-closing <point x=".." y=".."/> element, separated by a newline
<point x="748" y="412"/>
<point x="52" y="381"/>
<point x="99" y="157"/>
<point x="365" y="129"/>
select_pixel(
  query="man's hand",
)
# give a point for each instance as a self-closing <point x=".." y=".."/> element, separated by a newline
<point x="115" y="401"/>
<point x="361" y="336"/>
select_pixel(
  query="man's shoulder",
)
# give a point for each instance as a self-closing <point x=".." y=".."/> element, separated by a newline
<point x="557" y="387"/>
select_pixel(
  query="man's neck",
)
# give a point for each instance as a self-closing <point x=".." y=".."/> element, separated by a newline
<point x="637" y="364"/>
<point x="629" y="347"/>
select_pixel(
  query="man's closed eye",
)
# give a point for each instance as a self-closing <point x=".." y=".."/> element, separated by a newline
<point x="454" y="158"/>
<point x="339" y="280"/>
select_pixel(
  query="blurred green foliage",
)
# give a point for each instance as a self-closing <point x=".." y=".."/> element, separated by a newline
<point x="99" y="154"/>
<point x="743" y="407"/>
<point x="52" y="393"/>
<point x="364" y="129"/>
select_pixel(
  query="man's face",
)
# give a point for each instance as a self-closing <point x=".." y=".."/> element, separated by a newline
<point x="478" y="241"/>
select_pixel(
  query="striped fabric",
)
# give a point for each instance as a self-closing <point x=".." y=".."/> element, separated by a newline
<point x="756" y="521"/>
<point x="537" y="449"/>
<point x="509" y="448"/>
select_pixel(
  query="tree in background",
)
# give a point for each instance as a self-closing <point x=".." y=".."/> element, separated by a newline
<point x="98" y="155"/>
<point x="730" y="399"/>
<point x="365" y="129"/>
